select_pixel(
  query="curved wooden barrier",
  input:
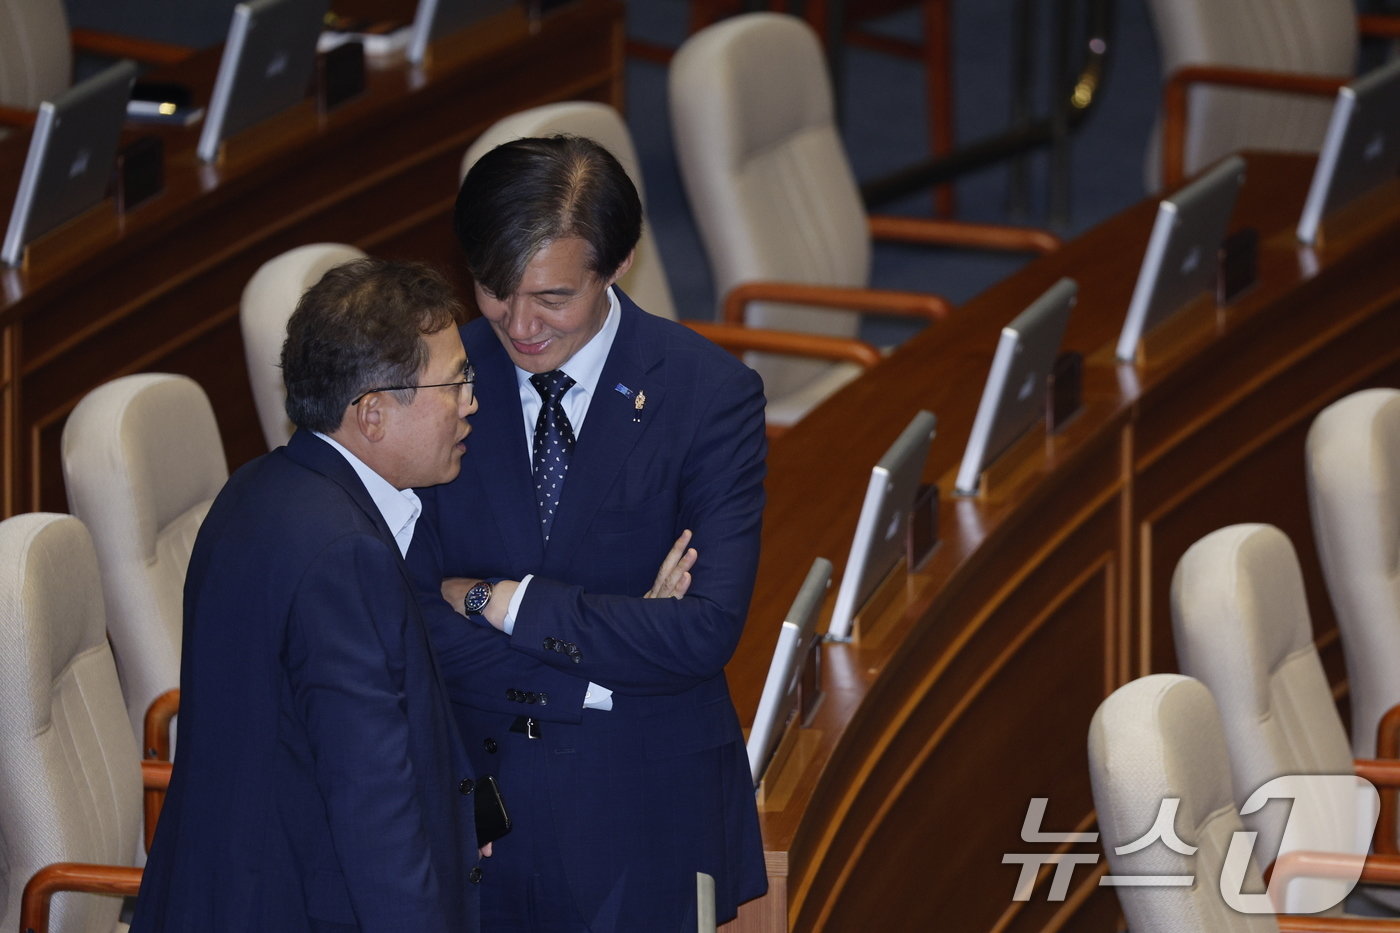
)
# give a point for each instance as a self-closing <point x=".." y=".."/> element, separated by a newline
<point x="971" y="689"/>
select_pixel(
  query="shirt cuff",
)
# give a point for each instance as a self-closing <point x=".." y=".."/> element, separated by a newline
<point x="508" y="626"/>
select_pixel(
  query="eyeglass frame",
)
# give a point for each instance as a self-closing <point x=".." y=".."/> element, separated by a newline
<point x="468" y="379"/>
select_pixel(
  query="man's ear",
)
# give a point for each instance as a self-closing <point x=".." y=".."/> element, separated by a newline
<point x="368" y="418"/>
<point x="623" y="267"/>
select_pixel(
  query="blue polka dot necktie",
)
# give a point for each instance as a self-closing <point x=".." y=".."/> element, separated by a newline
<point x="554" y="443"/>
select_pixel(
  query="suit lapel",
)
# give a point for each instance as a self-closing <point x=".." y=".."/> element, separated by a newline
<point x="496" y="451"/>
<point x="609" y="432"/>
<point x="315" y="454"/>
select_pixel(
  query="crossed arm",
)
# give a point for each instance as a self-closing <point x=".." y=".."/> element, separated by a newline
<point x="672" y="581"/>
<point x="628" y="644"/>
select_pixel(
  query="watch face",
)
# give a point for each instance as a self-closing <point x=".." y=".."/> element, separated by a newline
<point x="477" y="597"/>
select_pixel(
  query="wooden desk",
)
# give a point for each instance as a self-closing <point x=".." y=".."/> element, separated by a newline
<point x="973" y="689"/>
<point x="158" y="289"/>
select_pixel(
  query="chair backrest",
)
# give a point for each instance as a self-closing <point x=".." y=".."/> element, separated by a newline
<point x="70" y="775"/>
<point x="645" y="283"/>
<point x="1309" y="36"/>
<point x="36" y="53"/>
<point x="1353" y="456"/>
<point x="1153" y="740"/>
<point x="269" y="299"/>
<point x="143" y="461"/>
<point x="767" y="177"/>
<point x="1241" y="625"/>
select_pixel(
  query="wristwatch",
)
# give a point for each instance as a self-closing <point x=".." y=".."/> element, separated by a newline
<point x="477" y="598"/>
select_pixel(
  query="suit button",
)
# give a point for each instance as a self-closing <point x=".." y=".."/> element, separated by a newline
<point x="532" y="698"/>
<point x="544" y="699"/>
<point x="474" y="876"/>
<point x="490" y="746"/>
<point x="551" y="644"/>
<point x="513" y="695"/>
<point x="467" y="786"/>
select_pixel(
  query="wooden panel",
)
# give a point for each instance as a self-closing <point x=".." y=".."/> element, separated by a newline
<point x="918" y="817"/>
<point x="159" y="290"/>
<point x="975" y="689"/>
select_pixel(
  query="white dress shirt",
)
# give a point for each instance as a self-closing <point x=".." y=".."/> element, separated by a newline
<point x="585" y="367"/>
<point x="400" y="507"/>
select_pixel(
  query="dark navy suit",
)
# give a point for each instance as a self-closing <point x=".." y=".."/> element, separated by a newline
<point x="319" y="781"/>
<point x="633" y="800"/>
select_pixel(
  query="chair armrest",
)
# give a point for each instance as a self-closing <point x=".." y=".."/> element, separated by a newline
<point x="155" y="779"/>
<point x="960" y="233"/>
<point x="1381" y="772"/>
<point x="912" y="304"/>
<point x="1379" y="26"/>
<point x="111" y="45"/>
<point x="118" y="880"/>
<point x="738" y="339"/>
<point x="1303" y="923"/>
<point x="155" y="775"/>
<point x="1384" y="772"/>
<point x="15" y="116"/>
<point x="157" y="725"/>
<point x="1174" y="101"/>
<point x="1373" y="869"/>
<point x="1388" y="734"/>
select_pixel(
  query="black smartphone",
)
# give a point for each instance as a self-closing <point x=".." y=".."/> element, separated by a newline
<point x="492" y="820"/>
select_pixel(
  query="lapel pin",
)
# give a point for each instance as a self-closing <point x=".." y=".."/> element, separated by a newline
<point x="622" y="390"/>
<point x="637" y="405"/>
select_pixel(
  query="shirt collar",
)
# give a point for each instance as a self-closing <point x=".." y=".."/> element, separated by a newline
<point x="399" y="507"/>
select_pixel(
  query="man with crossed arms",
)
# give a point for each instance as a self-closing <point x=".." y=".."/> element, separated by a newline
<point x="610" y="434"/>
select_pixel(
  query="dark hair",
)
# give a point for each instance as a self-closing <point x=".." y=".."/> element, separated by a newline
<point x="360" y="327"/>
<point x="529" y="192"/>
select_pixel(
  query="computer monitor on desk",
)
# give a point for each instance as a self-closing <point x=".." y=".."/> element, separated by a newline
<point x="266" y="66"/>
<point x="783" y="687"/>
<point x="1182" y="258"/>
<point x="1014" y="396"/>
<point x="71" y="157"/>
<point x="884" y="519"/>
<point x="1362" y="148"/>
<point x="437" y="18"/>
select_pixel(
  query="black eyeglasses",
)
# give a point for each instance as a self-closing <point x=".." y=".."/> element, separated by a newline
<point x="463" y="385"/>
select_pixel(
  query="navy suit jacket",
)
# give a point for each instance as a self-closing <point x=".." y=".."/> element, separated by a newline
<point x="658" y="787"/>
<point x="319" y="781"/>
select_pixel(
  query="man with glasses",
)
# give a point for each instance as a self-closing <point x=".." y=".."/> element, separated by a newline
<point x="320" y="782"/>
<point x="609" y="432"/>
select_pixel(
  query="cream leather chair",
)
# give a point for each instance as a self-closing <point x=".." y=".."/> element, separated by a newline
<point x="142" y="460"/>
<point x="932" y="51"/>
<point x="1241" y="626"/>
<point x="36" y="54"/>
<point x="1156" y="739"/>
<point x="1250" y="74"/>
<point x="1159" y="739"/>
<point x="776" y="202"/>
<point x="645" y="283"/>
<point x="70" y="774"/>
<point x="269" y="299"/>
<point x="1353" y="459"/>
<point x="36" y="58"/>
